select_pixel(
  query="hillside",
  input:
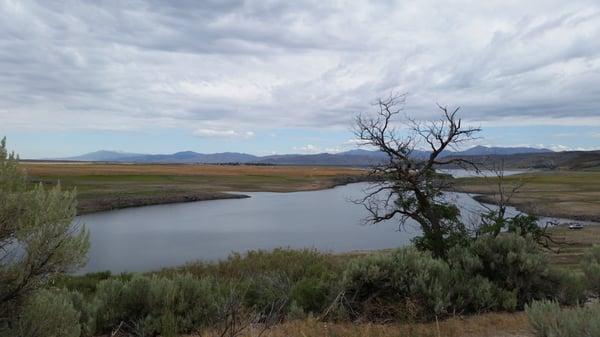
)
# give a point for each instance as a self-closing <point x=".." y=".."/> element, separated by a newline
<point x="570" y="160"/>
<point x="357" y="157"/>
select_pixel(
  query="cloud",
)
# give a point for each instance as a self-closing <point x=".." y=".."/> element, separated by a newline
<point x="309" y="149"/>
<point x="253" y="65"/>
<point x="212" y="133"/>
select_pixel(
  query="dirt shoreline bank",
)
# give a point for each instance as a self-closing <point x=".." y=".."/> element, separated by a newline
<point x="90" y="206"/>
<point x="530" y="208"/>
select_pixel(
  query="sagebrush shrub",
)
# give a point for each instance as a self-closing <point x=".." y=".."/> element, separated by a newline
<point x="111" y="305"/>
<point x="290" y="263"/>
<point x="590" y="264"/>
<point x="567" y="287"/>
<point x="87" y="310"/>
<point x="312" y="295"/>
<point x="154" y="305"/>
<point x="512" y="263"/>
<point x="48" y="313"/>
<point x="550" y="320"/>
<point x="489" y="274"/>
<point x="407" y="284"/>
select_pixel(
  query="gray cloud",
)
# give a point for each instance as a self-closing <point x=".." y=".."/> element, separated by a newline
<point x="243" y="66"/>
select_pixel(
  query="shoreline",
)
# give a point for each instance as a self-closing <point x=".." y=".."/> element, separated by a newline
<point x="528" y="208"/>
<point x="115" y="203"/>
<point x="112" y="204"/>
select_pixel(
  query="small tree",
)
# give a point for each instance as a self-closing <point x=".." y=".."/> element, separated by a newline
<point x="38" y="240"/>
<point x="407" y="184"/>
<point x="495" y="219"/>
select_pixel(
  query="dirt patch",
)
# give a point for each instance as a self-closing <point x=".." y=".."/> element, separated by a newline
<point x="485" y="325"/>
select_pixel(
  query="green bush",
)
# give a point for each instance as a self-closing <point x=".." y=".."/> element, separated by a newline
<point x="590" y="264"/>
<point x="511" y="263"/>
<point x="567" y="287"/>
<point x="267" y="293"/>
<point x="157" y="305"/>
<point x="87" y="313"/>
<point x="110" y="299"/>
<point x="312" y="295"/>
<point x="489" y="274"/>
<point x="405" y="285"/>
<point x="49" y="313"/>
<point x="85" y="284"/>
<point x="550" y="320"/>
<point x="289" y="263"/>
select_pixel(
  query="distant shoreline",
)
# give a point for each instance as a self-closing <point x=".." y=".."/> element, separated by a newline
<point x="116" y="203"/>
<point x="556" y="194"/>
<point x="530" y="208"/>
<point x="111" y="204"/>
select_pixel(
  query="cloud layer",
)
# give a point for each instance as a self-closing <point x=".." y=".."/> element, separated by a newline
<point x="230" y="68"/>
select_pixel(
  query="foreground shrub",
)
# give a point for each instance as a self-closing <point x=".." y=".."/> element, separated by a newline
<point x="406" y="285"/>
<point x="266" y="293"/>
<point x="517" y="271"/>
<point x="289" y="263"/>
<point x="87" y="310"/>
<point x="567" y="287"/>
<point x="48" y="314"/>
<point x="550" y="320"/>
<point x="312" y="295"/>
<point x="156" y="305"/>
<point x="489" y="274"/>
<point x="590" y="264"/>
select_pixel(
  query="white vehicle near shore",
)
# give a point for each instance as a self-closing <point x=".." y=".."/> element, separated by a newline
<point x="575" y="225"/>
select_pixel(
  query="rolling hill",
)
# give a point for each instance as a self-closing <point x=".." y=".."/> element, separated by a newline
<point x="519" y="156"/>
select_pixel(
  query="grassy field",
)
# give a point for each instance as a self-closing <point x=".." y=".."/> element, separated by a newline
<point x="110" y="186"/>
<point x="568" y="194"/>
<point x="571" y="244"/>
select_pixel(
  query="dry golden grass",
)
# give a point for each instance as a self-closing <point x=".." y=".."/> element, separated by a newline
<point x="486" y="325"/>
<point x="69" y="169"/>
<point x="572" y="244"/>
<point x="108" y="186"/>
<point x="568" y="194"/>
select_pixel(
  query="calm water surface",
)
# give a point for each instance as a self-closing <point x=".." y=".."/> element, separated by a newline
<point x="145" y="238"/>
<point x="151" y="237"/>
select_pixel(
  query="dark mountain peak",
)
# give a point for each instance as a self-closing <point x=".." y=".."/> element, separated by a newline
<point x="187" y="153"/>
<point x="478" y="148"/>
<point x="355" y="157"/>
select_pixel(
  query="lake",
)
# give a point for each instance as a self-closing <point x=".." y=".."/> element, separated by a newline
<point x="151" y="237"/>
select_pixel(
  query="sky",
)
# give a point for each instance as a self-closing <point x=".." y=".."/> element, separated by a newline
<point x="267" y="77"/>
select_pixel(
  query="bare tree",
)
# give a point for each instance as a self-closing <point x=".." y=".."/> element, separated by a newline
<point x="407" y="185"/>
<point x="495" y="219"/>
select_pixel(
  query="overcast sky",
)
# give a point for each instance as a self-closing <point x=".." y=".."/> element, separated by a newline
<point x="289" y="76"/>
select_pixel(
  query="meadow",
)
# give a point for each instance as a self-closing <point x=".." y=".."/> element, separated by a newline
<point x="109" y="186"/>
<point x="566" y="194"/>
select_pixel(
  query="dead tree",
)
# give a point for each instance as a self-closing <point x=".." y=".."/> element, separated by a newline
<point x="496" y="220"/>
<point x="407" y="184"/>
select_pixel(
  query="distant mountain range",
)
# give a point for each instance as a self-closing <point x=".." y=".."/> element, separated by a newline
<point x="359" y="157"/>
